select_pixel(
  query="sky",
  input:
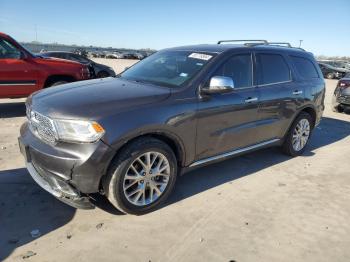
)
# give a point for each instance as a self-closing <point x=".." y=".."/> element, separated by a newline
<point x="323" y="25"/>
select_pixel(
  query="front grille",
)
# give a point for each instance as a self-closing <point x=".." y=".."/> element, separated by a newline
<point x="42" y="126"/>
<point x="344" y="99"/>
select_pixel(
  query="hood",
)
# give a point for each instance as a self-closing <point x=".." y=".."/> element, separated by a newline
<point x="343" y="70"/>
<point x="54" y="60"/>
<point x="95" y="99"/>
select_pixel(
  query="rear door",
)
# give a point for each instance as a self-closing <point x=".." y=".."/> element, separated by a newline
<point x="280" y="94"/>
<point x="228" y="121"/>
<point x="18" y="76"/>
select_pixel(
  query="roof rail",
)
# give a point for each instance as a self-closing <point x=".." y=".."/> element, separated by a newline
<point x="280" y="43"/>
<point x="264" y="42"/>
<point x="261" y="42"/>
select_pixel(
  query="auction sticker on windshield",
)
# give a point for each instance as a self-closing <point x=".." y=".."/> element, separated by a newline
<point x="200" y="56"/>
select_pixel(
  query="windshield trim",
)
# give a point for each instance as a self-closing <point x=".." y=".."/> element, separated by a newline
<point x="145" y="81"/>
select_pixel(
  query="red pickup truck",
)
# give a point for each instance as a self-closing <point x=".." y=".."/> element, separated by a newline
<point x="22" y="73"/>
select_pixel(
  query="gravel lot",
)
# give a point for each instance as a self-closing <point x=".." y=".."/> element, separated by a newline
<point x="259" y="207"/>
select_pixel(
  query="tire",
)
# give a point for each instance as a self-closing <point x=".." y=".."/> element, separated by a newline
<point x="119" y="189"/>
<point x="290" y="145"/>
<point x="57" y="83"/>
<point x="330" y="76"/>
<point x="102" y="74"/>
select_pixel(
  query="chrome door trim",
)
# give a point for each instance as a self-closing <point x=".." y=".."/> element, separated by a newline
<point x="234" y="152"/>
<point x="275" y="83"/>
<point x="20" y="84"/>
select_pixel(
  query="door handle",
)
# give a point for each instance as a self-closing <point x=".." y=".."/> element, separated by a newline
<point x="297" y="92"/>
<point x="251" y="99"/>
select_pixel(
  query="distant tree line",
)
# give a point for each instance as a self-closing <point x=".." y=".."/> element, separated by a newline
<point x="340" y="58"/>
<point x="36" y="46"/>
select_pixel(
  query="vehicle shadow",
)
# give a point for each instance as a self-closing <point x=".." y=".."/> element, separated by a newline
<point x="14" y="109"/>
<point x="329" y="131"/>
<point x="24" y="207"/>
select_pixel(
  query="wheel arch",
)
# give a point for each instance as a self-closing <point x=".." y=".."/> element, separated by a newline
<point x="54" y="78"/>
<point x="171" y="140"/>
<point x="167" y="137"/>
<point x="310" y="109"/>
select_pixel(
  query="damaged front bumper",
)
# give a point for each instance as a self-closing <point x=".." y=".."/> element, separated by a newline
<point x="70" y="172"/>
<point x="60" y="189"/>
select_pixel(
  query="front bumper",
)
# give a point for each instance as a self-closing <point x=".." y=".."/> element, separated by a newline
<point x="341" y="99"/>
<point x="68" y="171"/>
<point x="344" y="100"/>
<point x="61" y="190"/>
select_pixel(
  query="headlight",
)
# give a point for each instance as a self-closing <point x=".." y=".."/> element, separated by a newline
<point x="78" y="130"/>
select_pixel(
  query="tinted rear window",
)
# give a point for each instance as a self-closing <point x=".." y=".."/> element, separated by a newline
<point x="272" y="68"/>
<point x="305" y="67"/>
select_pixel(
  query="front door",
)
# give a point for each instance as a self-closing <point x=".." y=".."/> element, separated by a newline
<point x="228" y="121"/>
<point x="18" y="76"/>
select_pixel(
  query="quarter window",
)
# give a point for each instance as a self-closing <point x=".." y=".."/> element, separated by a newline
<point x="272" y="68"/>
<point x="305" y="67"/>
<point x="239" y="68"/>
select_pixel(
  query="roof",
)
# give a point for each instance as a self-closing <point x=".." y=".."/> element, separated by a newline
<point x="220" y="48"/>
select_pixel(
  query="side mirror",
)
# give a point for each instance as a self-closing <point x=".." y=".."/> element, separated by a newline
<point x="218" y="85"/>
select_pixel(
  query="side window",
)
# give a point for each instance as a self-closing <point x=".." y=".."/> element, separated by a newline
<point x="79" y="59"/>
<point x="239" y="68"/>
<point x="272" y="68"/>
<point x="8" y="51"/>
<point x="305" y="67"/>
<point x="63" y="56"/>
<point x="57" y="55"/>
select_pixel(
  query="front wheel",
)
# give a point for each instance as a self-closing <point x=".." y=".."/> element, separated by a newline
<point x="57" y="83"/>
<point x="330" y="76"/>
<point x="298" y="135"/>
<point x="141" y="177"/>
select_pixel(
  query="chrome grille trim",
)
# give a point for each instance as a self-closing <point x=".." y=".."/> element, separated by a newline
<point x="42" y="126"/>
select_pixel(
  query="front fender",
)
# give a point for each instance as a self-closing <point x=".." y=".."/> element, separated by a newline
<point x="175" y="121"/>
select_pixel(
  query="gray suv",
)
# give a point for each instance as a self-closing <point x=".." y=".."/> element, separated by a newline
<point x="128" y="137"/>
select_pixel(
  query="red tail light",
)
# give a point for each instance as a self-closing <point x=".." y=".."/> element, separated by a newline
<point x="344" y="83"/>
<point x="85" y="72"/>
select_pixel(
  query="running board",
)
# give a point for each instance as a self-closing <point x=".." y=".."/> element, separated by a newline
<point x="235" y="152"/>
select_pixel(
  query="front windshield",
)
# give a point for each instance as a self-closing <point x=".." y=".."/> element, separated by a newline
<point x="169" y="68"/>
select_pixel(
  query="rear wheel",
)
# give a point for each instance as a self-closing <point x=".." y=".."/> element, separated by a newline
<point x="298" y="135"/>
<point x="141" y="177"/>
<point x="102" y="74"/>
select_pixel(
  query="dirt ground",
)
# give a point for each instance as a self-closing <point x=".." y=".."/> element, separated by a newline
<point x="259" y="207"/>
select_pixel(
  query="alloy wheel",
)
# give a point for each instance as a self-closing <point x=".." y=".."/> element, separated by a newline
<point x="146" y="178"/>
<point x="301" y="134"/>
